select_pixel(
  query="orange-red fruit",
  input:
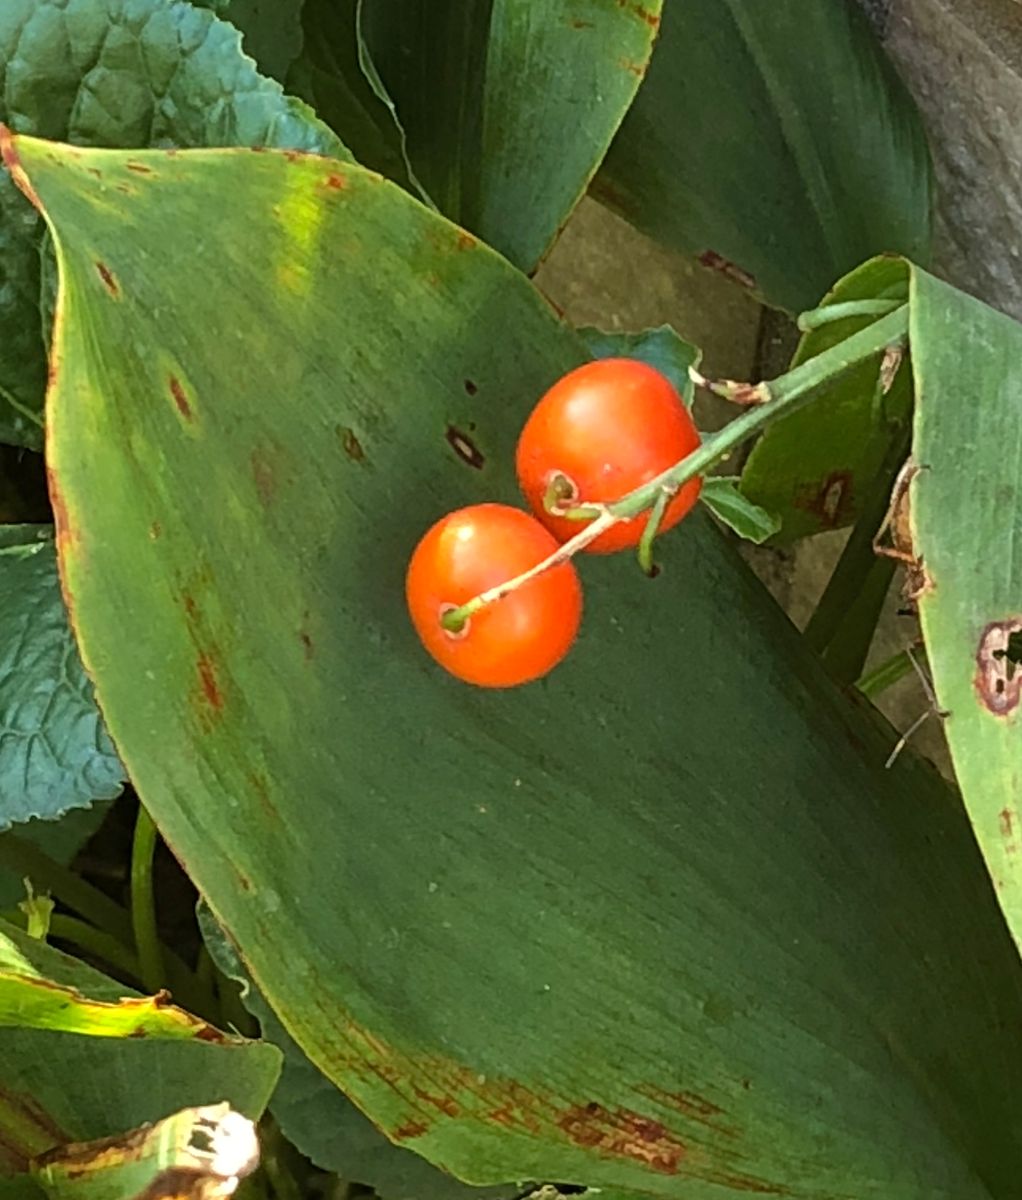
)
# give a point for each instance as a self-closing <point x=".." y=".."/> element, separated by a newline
<point x="608" y="427"/>
<point x="515" y="639"/>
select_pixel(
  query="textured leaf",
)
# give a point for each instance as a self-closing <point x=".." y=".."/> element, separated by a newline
<point x="966" y="522"/>
<point x="509" y="105"/>
<point x="661" y="348"/>
<point x="815" y="467"/>
<point x="71" y="1069"/>
<point x="721" y="495"/>
<point x="55" y="754"/>
<point x="661" y="922"/>
<point x="323" y="1123"/>
<point x="774" y="142"/>
<point x="115" y="73"/>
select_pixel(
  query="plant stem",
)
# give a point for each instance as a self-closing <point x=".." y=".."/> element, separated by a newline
<point x="650" y="531"/>
<point x="782" y="397"/>
<point x="26" y="859"/>
<point x="874" y="683"/>
<point x="818" y="317"/>
<point x="143" y="902"/>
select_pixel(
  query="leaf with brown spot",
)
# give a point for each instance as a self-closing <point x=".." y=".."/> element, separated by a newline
<point x="517" y="903"/>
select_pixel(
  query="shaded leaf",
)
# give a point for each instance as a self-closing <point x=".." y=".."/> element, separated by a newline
<point x="815" y="468"/>
<point x="115" y="73"/>
<point x="721" y="495"/>
<point x="775" y="143"/>
<point x="272" y="32"/>
<point x="60" y="840"/>
<point x="661" y="348"/>
<point x="966" y="526"/>
<point x="509" y="106"/>
<point x="55" y="754"/>
<point x="65" y="1038"/>
<point x="661" y="922"/>
<point x="322" y="1122"/>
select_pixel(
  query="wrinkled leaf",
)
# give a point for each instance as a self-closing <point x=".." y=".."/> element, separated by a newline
<point x="661" y="922"/>
<point x="67" y="1033"/>
<point x="196" y="1154"/>
<point x="815" y="468"/>
<point x="509" y="105"/>
<point x="774" y="142"/>
<point x="721" y="495"/>
<point x="661" y="348"/>
<point x="115" y="73"/>
<point x="55" y="754"/>
<point x="966" y="523"/>
<point x="323" y="1123"/>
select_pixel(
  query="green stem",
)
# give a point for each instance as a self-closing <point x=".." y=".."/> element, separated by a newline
<point x="652" y="528"/>
<point x="143" y="902"/>
<point x="27" y="860"/>
<point x="780" y="398"/>
<point x="97" y="943"/>
<point x="818" y="317"/>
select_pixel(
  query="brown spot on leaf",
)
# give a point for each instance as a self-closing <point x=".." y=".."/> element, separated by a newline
<point x="210" y="693"/>
<point x="717" y="262"/>
<point x="692" y="1106"/>
<point x="634" y="68"/>
<point x="336" y="182"/>
<point x="307" y="645"/>
<point x="125" y="190"/>
<point x="263" y="475"/>
<point x="471" y="387"/>
<point x="353" y="448"/>
<point x="410" y="1129"/>
<point x="109" y="282"/>
<point x="577" y="24"/>
<point x="138" y="168"/>
<point x="180" y="399"/>
<point x="12" y="161"/>
<point x="466" y="241"/>
<point x="155" y="530"/>
<point x="998" y="678"/>
<point x="294" y="156"/>
<point x="465" y="448"/>
<point x="831" y="502"/>
<point x="445" y="1104"/>
<point x="622" y="1133"/>
<point x="651" y="19"/>
<point x="61" y="518"/>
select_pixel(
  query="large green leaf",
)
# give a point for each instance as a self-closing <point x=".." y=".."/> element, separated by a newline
<point x="774" y="142"/>
<point x="509" y="105"/>
<point x="814" y="468"/>
<point x="115" y="73"/>
<point x="966" y="521"/>
<point x="322" y="1122"/>
<point x="55" y="754"/>
<point x="82" y="1057"/>
<point x="661" y="922"/>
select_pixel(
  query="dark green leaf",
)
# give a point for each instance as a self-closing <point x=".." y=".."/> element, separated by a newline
<point x="661" y="922"/>
<point x="815" y="468"/>
<point x="115" y="73"/>
<point x="661" y="348"/>
<point x="55" y="754"/>
<point x="272" y="32"/>
<point x="721" y="495"/>
<point x="61" y="840"/>
<point x="509" y="105"/>
<point x="774" y="142"/>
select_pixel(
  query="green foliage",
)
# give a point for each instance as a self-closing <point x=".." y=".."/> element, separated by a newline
<point x="55" y="754"/>
<point x="114" y="73"/>
<point x="67" y="1033"/>
<point x="555" y="932"/>
<point x="774" y="142"/>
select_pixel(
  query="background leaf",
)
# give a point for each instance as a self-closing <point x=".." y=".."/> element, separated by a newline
<point x="60" y="840"/>
<point x="115" y="73"/>
<point x="773" y="142"/>
<point x="74" y="1086"/>
<point x="55" y="754"/>
<point x="660" y="348"/>
<point x="509" y="105"/>
<point x="815" y="468"/>
<point x="721" y="495"/>
<point x="966" y="516"/>
<point x="661" y="922"/>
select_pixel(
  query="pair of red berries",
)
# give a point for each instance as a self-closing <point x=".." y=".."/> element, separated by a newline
<point x="601" y="431"/>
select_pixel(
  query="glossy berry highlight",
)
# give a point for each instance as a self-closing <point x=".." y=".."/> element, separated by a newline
<point x="605" y="429"/>
<point x="513" y="640"/>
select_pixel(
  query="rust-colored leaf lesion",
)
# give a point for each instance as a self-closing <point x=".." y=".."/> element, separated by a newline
<point x="624" y="1133"/>
<point x="998" y="676"/>
<point x="109" y="279"/>
<point x="180" y="397"/>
